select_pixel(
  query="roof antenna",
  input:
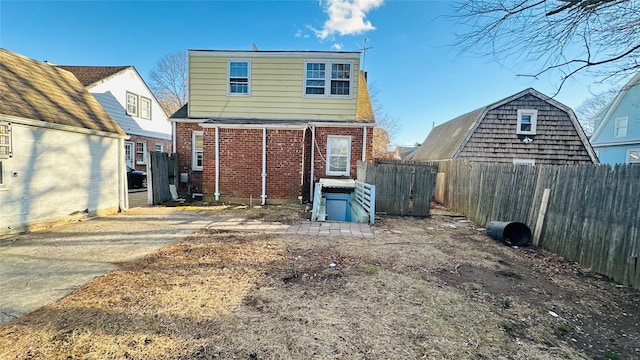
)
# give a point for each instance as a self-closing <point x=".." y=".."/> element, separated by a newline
<point x="255" y="47"/>
<point x="364" y="51"/>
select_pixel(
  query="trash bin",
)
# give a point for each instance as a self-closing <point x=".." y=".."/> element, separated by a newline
<point x="510" y="233"/>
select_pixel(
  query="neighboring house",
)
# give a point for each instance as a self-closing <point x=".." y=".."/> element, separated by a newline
<point x="60" y="152"/>
<point x="526" y="128"/>
<point x="616" y="137"/>
<point x="127" y="98"/>
<point x="407" y="152"/>
<point x="266" y="125"/>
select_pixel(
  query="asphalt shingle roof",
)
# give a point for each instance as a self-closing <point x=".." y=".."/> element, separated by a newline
<point x="90" y="74"/>
<point x="34" y="90"/>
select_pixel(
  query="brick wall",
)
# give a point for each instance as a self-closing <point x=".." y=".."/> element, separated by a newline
<point x="320" y="151"/>
<point x="150" y="141"/>
<point x="183" y="144"/>
<point x="285" y="160"/>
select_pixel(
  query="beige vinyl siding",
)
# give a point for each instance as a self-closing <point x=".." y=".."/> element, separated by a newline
<point x="277" y="86"/>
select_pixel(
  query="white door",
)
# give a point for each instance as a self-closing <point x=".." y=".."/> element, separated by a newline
<point x="128" y="153"/>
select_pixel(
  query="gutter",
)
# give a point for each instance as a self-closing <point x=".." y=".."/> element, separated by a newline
<point x="313" y="143"/>
<point x="217" y="193"/>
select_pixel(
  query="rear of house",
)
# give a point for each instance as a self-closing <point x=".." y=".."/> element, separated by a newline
<point x="60" y="152"/>
<point x="263" y="126"/>
<point x="526" y="128"/>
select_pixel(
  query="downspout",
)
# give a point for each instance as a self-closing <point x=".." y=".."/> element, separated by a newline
<point x="313" y="146"/>
<point x="364" y="144"/>
<point x="122" y="180"/>
<point x="217" y="193"/>
<point x="264" y="166"/>
<point x="173" y="135"/>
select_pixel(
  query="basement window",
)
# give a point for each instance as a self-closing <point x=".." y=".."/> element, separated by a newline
<point x="527" y="121"/>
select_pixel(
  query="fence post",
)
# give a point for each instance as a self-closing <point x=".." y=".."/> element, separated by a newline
<point x="541" y="214"/>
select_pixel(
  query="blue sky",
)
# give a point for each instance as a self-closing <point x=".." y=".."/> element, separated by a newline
<point x="420" y="79"/>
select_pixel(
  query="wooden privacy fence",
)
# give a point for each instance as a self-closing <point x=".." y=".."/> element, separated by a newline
<point x="593" y="213"/>
<point x="402" y="188"/>
<point x="163" y="173"/>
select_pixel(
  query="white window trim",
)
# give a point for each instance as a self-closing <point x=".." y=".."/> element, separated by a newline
<point x="3" y="180"/>
<point x="144" y="153"/>
<point x="347" y="171"/>
<point x="6" y="140"/>
<point x="193" y="150"/>
<point x="156" y="145"/>
<point x="616" y="127"/>
<point x="534" y="121"/>
<point x="530" y="162"/>
<point x="143" y="99"/>
<point x="229" y="61"/>
<point x="129" y="93"/>
<point x="327" y="78"/>
<point x="629" y="156"/>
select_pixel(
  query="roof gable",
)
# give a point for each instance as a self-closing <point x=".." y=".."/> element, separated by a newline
<point x="448" y="140"/>
<point x="37" y="91"/>
<point x="608" y="110"/>
<point x="91" y="74"/>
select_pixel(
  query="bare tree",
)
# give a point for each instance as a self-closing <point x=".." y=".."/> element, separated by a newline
<point x="590" y="107"/>
<point x="169" y="81"/>
<point x="386" y="127"/>
<point x="560" y="38"/>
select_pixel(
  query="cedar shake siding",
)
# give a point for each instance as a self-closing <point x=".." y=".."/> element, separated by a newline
<point x="490" y="134"/>
<point x="556" y="140"/>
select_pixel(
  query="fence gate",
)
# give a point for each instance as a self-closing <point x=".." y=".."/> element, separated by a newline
<point x="402" y="188"/>
<point x="162" y="174"/>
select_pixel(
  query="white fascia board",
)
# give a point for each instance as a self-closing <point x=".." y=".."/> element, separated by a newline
<point x="186" y="120"/>
<point x="610" y="143"/>
<point x="54" y="126"/>
<point x="343" y="124"/>
<point x="255" y="126"/>
<point x="277" y="54"/>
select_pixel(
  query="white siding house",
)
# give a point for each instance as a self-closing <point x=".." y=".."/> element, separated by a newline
<point x="60" y="152"/>
<point x="129" y="101"/>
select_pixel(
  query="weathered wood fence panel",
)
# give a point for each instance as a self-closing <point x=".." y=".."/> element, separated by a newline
<point x="402" y="188"/>
<point x="593" y="215"/>
<point x="160" y="177"/>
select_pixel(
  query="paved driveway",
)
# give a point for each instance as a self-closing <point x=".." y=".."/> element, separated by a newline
<point x="40" y="268"/>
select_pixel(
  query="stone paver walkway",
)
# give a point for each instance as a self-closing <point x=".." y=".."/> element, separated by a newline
<point x="327" y="228"/>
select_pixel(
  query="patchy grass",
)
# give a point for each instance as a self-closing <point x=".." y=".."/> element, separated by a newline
<point x="419" y="291"/>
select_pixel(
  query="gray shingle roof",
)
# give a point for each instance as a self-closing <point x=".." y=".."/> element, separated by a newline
<point x="34" y="90"/>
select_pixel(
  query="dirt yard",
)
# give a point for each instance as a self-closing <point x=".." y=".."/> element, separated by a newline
<point x="435" y="288"/>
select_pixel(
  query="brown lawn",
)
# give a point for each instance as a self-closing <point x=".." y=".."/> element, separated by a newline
<point x="422" y="288"/>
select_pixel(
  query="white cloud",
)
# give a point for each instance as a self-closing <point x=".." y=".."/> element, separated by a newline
<point x="337" y="46"/>
<point x="298" y="33"/>
<point x="347" y="17"/>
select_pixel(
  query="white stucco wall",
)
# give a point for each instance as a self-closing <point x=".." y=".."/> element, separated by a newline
<point x="111" y="93"/>
<point x="54" y="173"/>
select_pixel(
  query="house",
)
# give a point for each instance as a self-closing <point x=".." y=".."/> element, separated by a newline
<point x="526" y="128"/>
<point x="60" y="152"/>
<point x="263" y="126"/>
<point x="126" y="97"/>
<point x="616" y="137"/>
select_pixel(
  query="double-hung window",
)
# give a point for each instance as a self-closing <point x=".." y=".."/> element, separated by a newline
<point x="527" y="120"/>
<point x="141" y="152"/>
<point x="145" y="108"/>
<point x="5" y="140"/>
<point x="338" y="155"/>
<point x="621" y="124"/>
<point x="239" y="77"/>
<point x="197" y="150"/>
<point x="328" y="78"/>
<point x="132" y="104"/>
